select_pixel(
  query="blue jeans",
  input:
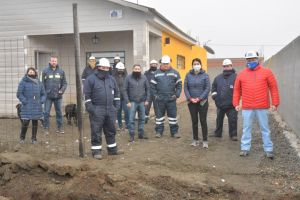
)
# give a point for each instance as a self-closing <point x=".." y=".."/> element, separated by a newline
<point x="262" y="118"/>
<point x="57" y="106"/>
<point x="140" y="108"/>
<point x="123" y="107"/>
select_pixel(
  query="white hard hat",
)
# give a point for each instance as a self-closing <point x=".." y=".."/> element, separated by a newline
<point x="92" y="58"/>
<point x="165" y="59"/>
<point x="104" y="62"/>
<point x="153" y="62"/>
<point x="227" y="62"/>
<point x="120" y="65"/>
<point x="251" y="54"/>
<point x="117" y="58"/>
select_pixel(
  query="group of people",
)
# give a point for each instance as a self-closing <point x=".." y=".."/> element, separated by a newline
<point x="110" y="90"/>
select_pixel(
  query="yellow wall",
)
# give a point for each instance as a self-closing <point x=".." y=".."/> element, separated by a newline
<point x="178" y="47"/>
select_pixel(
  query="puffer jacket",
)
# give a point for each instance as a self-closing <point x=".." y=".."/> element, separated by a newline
<point x="254" y="87"/>
<point x="136" y="90"/>
<point x="196" y="85"/>
<point x="101" y="91"/>
<point x="222" y="89"/>
<point x="166" y="84"/>
<point x="54" y="81"/>
<point x="32" y="95"/>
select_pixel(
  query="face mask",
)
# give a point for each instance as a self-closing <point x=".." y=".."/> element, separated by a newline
<point x="197" y="67"/>
<point x="252" y="65"/>
<point x="153" y="68"/>
<point x="103" y="73"/>
<point x="136" y="74"/>
<point x="32" y="76"/>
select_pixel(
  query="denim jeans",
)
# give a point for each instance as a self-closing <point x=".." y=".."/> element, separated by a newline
<point x="262" y="118"/>
<point x="57" y="106"/>
<point x="140" y="108"/>
<point x="123" y="107"/>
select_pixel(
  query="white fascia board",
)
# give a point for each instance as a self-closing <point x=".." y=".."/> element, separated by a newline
<point x="170" y="30"/>
<point x="131" y="5"/>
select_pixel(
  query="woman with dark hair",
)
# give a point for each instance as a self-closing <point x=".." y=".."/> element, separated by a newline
<point x="196" y="89"/>
<point x="31" y="93"/>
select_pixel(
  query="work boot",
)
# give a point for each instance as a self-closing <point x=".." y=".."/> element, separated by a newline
<point x="269" y="154"/>
<point x="205" y="144"/>
<point x="144" y="136"/>
<point x="234" y="138"/>
<point x="115" y="153"/>
<point x="97" y="154"/>
<point x="244" y="153"/>
<point x="131" y="138"/>
<point x="158" y="135"/>
<point x="60" y="131"/>
<point x="176" y="135"/>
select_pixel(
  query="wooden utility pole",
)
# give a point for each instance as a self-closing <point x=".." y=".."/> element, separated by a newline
<point x="78" y="80"/>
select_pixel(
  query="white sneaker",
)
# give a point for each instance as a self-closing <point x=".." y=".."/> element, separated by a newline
<point x="195" y="143"/>
<point x="205" y="144"/>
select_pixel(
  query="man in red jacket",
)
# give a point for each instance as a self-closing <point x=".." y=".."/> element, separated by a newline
<point x="254" y="84"/>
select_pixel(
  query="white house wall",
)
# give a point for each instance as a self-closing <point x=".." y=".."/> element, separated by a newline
<point x="19" y="18"/>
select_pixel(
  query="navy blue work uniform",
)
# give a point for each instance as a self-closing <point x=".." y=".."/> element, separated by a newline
<point x="166" y="87"/>
<point x="102" y="99"/>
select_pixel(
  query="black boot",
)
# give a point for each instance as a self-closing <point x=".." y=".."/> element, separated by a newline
<point x="34" y="131"/>
<point x="24" y="128"/>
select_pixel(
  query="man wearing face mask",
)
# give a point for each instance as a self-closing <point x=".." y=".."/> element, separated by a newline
<point x="196" y="90"/>
<point x="150" y="75"/>
<point x="90" y="69"/>
<point x="166" y="87"/>
<point x="120" y="75"/>
<point x="222" y="92"/>
<point x="102" y="100"/>
<point x="136" y="95"/>
<point x="254" y="85"/>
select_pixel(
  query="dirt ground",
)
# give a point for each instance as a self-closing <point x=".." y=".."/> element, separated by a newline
<point x="159" y="169"/>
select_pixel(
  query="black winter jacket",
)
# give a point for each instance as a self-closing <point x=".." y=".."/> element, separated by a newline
<point x="136" y="90"/>
<point x="102" y="91"/>
<point x="222" y="89"/>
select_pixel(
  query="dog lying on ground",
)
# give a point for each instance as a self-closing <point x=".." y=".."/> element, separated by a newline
<point x="71" y="113"/>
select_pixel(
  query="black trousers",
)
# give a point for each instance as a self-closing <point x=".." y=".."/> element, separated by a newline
<point x="24" y="127"/>
<point x="201" y="110"/>
<point x="232" y="116"/>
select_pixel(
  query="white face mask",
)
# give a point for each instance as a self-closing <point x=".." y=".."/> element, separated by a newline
<point x="197" y="67"/>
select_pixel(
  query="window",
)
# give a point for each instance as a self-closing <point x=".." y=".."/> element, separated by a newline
<point x="180" y="62"/>
<point x="107" y="54"/>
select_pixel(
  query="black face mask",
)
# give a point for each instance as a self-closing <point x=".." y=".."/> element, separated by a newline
<point x="121" y="71"/>
<point x="103" y="74"/>
<point x="136" y="75"/>
<point x="32" y="76"/>
<point x="153" y="68"/>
